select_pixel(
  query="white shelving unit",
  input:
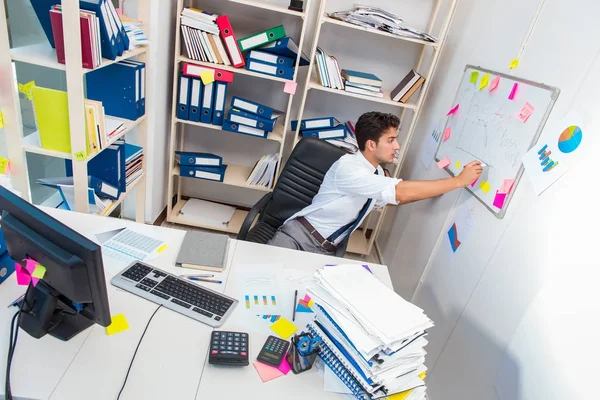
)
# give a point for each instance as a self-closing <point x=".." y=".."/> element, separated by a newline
<point x="359" y="243"/>
<point x="45" y="56"/>
<point x="235" y="175"/>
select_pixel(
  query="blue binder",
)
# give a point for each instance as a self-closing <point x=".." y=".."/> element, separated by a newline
<point x="140" y="84"/>
<point x="216" y="174"/>
<point x="253" y="107"/>
<point x="106" y="166"/>
<point x="285" y="47"/>
<point x="119" y="25"/>
<point x="122" y="165"/>
<point x="270" y="58"/>
<point x="195" y="99"/>
<point x="254" y="121"/>
<point x="184" y="97"/>
<point x="111" y="43"/>
<point x="339" y="132"/>
<point x="42" y="10"/>
<point x="207" y="103"/>
<point x="315" y="123"/>
<point x="103" y="189"/>
<point x="219" y="102"/>
<point x="115" y="87"/>
<point x="243" y="129"/>
<point x="199" y="159"/>
<point x="270" y="69"/>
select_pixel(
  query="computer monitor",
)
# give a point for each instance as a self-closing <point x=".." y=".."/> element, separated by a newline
<point x="72" y="294"/>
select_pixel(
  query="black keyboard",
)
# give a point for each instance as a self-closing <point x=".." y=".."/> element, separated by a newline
<point x="178" y="294"/>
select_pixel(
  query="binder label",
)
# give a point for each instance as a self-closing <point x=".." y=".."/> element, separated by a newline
<point x="220" y="100"/>
<point x="208" y="175"/>
<point x="195" y="93"/>
<point x="233" y="50"/>
<point x="318" y="123"/>
<point x="254" y="41"/>
<point x="267" y="69"/>
<point x="243" y="120"/>
<point x="246" y="106"/>
<point x="183" y="91"/>
<point x="207" y="100"/>
<point x="250" y="130"/>
<point x="109" y="190"/>
<point x="331" y="134"/>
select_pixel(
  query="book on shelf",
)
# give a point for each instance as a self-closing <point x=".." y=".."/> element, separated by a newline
<point x="202" y="37"/>
<point x="407" y="87"/>
<point x="330" y="75"/>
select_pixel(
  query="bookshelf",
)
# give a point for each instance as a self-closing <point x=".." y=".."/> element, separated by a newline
<point x="43" y="55"/>
<point x="236" y="173"/>
<point x="426" y="65"/>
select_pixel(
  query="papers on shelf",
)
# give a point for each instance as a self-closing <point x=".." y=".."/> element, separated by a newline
<point x="264" y="171"/>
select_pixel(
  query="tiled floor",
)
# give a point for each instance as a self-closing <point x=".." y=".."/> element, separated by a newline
<point x="371" y="258"/>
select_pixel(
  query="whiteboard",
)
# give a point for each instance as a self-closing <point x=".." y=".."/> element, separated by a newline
<point x="486" y="127"/>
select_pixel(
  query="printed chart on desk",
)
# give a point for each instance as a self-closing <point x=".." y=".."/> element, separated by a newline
<point x="498" y="119"/>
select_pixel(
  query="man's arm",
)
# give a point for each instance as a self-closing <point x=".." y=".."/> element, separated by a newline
<point x="409" y="191"/>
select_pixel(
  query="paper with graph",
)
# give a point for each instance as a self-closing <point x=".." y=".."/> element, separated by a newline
<point x="498" y="119"/>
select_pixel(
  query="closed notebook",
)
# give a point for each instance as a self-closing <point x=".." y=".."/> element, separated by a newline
<point x="203" y="250"/>
<point x="51" y="109"/>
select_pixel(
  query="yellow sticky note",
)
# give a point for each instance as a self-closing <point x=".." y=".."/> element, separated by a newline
<point x="457" y="164"/>
<point x="118" y="324"/>
<point x="3" y="165"/>
<point x="311" y="303"/>
<point x="485" y="186"/>
<point x="207" y="77"/>
<point x="162" y="248"/>
<point x="26" y="89"/>
<point x="474" y="76"/>
<point x="423" y="375"/>
<point x="80" y="156"/>
<point x="1" y="120"/>
<point x="284" y="328"/>
<point x="514" y="63"/>
<point x="39" y="271"/>
<point x="484" y="81"/>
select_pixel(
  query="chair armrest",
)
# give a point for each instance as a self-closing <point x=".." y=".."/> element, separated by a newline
<point x="254" y="211"/>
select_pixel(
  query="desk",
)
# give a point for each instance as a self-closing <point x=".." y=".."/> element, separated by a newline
<point x="172" y="361"/>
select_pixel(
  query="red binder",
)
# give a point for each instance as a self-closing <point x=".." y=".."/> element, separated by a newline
<point x="195" y="70"/>
<point x="228" y="37"/>
<point x="87" y="58"/>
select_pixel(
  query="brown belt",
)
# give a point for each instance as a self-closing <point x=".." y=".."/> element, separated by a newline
<point x="324" y="243"/>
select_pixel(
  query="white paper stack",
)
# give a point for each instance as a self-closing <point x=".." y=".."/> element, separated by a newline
<point x="207" y="213"/>
<point x="264" y="171"/>
<point x="372" y="337"/>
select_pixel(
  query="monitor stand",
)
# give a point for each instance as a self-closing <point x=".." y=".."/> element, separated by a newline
<point x="44" y="312"/>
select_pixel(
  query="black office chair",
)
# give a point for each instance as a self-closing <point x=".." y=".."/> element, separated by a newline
<point x="298" y="183"/>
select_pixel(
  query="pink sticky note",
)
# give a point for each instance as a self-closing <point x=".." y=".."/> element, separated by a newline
<point x="453" y="110"/>
<point x="494" y="84"/>
<point x="22" y="275"/>
<point x="474" y="182"/>
<point x="525" y="112"/>
<point x="499" y="199"/>
<point x="443" y="163"/>
<point x="119" y="11"/>
<point x="447" y="133"/>
<point x="266" y="372"/>
<point x="506" y="186"/>
<point x="290" y="87"/>
<point x="307" y="298"/>
<point x="513" y="92"/>
<point x="30" y="266"/>
<point x="284" y="367"/>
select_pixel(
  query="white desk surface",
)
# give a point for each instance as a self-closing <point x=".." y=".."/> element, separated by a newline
<point x="172" y="361"/>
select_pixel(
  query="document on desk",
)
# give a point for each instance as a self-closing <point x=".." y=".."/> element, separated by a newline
<point x="127" y="246"/>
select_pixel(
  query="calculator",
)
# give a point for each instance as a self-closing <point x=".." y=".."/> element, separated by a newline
<point x="228" y="348"/>
<point x="273" y="351"/>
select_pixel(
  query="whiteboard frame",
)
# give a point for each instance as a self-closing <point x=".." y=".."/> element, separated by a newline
<point x="555" y="92"/>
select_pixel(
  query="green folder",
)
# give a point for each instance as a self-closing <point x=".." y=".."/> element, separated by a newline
<point x="51" y="108"/>
<point x="261" y="38"/>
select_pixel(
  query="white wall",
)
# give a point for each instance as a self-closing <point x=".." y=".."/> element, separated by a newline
<point x="478" y="297"/>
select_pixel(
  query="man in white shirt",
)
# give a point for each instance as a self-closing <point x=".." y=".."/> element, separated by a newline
<point x="355" y="184"/>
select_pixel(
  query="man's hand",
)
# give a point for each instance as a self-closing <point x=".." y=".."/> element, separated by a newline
<point x="470" y="173"/>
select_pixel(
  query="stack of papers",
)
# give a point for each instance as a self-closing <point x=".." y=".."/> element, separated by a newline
<point x="377" y="18"/>
<point x="348" y="143"/>
<point x="264" y="171"/>
<point x="373" y="339"/>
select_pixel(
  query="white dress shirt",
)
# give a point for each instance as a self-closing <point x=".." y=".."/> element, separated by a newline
<point x="347" y="186"/>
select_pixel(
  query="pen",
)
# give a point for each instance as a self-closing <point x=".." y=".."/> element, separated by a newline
<point x="198" y="275"/>
<point x="14" y="303"/>
<point x="191" y="278"/>
<point x="295" y="299"/>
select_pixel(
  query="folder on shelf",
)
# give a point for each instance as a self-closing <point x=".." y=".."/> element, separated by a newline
<point x="120" y="29"/>
<point x="208" y="173"/>
<point x="207" y="103"/>
<point x="315" y="123"/>
<point x="261" y="38"/>
<point x="184" y="97"/>
<point x="122" y="164"/>
<point x="103" y="189"/>
<point x="246" y="130"/>
<point x="142" y="84"/>
<point x="106" y="166"/>
<point x="51" y="110"/>
<point x="269" y="58"/>
<point x="138" y="84"/>
<point x="195" y="99"/>
<point x="89" y="27"/>
<point x="254" y="121"/>
<point x="254" y="108"/>
<point x="270" y="69"/>
<point x="112" y="45"/>
<point x="285" y="47"/>
<point x="219" y="103"/>
<point x="219" y="75"/>
<point x="230" y="41"/>
<point x="199" y="159"/>
<point x="104" y="84"/>
<point x="339" y="132"/>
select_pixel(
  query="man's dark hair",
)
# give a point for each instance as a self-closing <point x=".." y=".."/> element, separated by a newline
<point x="372" y="125"/>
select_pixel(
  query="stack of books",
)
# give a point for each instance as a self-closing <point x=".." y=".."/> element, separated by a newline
<point x="321" y="128"/>
<point x="362" y="83"/>
<point x="407" y="87"/>
<point x="372" y="339"/>
<point x="205" y="166"/>
<point x="134" y="158"/>
<point x="328" y="70"/>
<point x="201" y="35"/>
<point x="250" y="118"/>
<point x="263" y="173"/>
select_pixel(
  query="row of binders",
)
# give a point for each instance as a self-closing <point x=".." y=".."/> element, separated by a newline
<point x="211" y="38"/>
<point x="371" y="338"/>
